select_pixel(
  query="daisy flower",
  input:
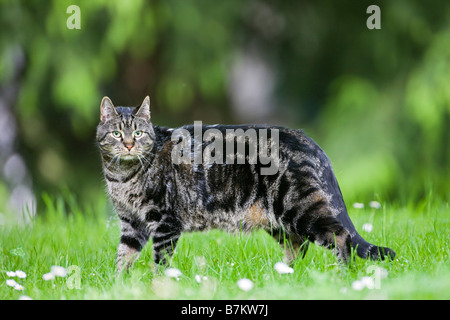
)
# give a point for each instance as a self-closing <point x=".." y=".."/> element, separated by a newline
<point x="20" y="274"/>
<point x="48" y="276"/>
<point x="12" y="283"/>
<point x="375" y="204"/>
<point x="58" y="271"/>
<point x="245" y="284"/>
<point x="367" y="227"/>
<point x="173" y="273"/>
<point x="283" y="268"/>
<point x="10" y="274"/>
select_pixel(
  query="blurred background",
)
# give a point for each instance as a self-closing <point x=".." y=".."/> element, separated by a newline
<point x="377" y="101"/>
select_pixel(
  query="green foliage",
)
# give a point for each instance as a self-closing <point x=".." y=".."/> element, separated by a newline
<point x="378" y="101"/>
<point x="84" y="238"/>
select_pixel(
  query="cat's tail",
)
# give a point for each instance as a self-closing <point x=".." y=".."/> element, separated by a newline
<point x="367" y="250"/>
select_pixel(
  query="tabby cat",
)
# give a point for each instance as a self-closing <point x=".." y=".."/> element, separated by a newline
<point x="160" y="198"/>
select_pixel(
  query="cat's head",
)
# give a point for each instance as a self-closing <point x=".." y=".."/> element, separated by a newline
<point x="125" y="133"/>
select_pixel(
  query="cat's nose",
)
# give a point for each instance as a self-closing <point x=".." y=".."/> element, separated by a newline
<point x="129" y="145"/>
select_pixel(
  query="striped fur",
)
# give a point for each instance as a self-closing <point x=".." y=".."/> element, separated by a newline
<point x="158" y="199"/>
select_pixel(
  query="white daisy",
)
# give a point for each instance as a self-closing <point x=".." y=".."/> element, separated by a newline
<point x="368" y="282"/>
<point x="173" y="273"/>
<point x="375" y="204"/>
<point x="283" y="268"/>
<point x="358" y="205"/>
<point x="18" y="287"/>
<point x="48" y="276"/>
<point x="357" y="285"/>
<point x="20" y="274"/>
<point x="367" y="227"/>
<point x="11" y="283"/>
<point x="10" y="274"/>
<point x="58" y="271"/>
<point x="245" y="284"/>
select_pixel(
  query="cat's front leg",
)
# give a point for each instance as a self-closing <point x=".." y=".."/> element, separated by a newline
<point x="165" y="238"/>
<point x="133" y="238"/>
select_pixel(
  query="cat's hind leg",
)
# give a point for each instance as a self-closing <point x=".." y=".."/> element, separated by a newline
<point x="317" y="224"/>
<point x="293" y="245"/>
<point x="331" y="234"/>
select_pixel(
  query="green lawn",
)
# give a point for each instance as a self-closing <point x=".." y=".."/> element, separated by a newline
<point x="83" y="240"/>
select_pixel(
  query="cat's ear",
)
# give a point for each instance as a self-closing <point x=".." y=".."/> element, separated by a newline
<point x="144" y="109"/>
<point x="107" y="110"/>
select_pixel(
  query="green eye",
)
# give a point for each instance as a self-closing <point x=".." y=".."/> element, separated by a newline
<point x="117" y="134"/>
<point x="137" y="133"/>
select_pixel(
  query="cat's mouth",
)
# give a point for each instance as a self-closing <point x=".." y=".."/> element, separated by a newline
<point x="128" y="156"/>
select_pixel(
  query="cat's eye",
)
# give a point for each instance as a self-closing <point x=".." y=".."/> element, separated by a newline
<point x="138" y="133"/>
<point x="116" y="134"/>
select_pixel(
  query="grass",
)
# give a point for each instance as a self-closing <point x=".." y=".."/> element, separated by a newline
<point x="83" y="239"/>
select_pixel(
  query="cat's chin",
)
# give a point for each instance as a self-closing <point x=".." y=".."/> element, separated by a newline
<point x="128" y="157"/>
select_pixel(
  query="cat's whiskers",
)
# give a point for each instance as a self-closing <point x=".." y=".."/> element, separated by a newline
<point x="118" y="161"/>
<point x="113" y="158"/>
<point x="139" y="158"/>
<point x="141" y="155"/>
<point x="144" y="158"/>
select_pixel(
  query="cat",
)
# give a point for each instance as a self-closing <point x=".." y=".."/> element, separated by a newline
<point x="159" y="198"/>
